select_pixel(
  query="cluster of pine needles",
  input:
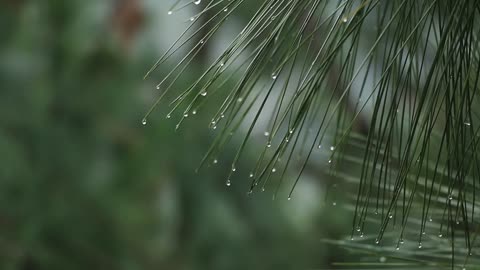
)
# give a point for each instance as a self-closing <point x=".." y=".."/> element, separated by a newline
<point x="396" y="79"/>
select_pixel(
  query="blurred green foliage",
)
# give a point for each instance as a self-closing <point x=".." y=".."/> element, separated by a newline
<point x="83" y="185"/>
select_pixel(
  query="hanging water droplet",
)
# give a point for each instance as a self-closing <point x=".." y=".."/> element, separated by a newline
<point x="401" y="241"/>
<point x="397" y="248"/>
<point x="467" y="123"/>
<point x="332" y="148"/>
<point x="334" y="203"/>
<point x="329" y="161"/>
<point x="420" y="245"/>
<point x="263" y="189"/>
<point x="194" y="112"/>
<point x="251" y="175"/>
<point x="215" y="161"/>
<point x="228" y="183"/>
<point x="440" y="235"/>
<point x="290" y="131"/>
<point x="358" y="228"/>
<point x="185" y="115"/>
<point x="361" y="235"/>
<point x="377" y="241"/>
<point x="233" y="169"/>
<point x="289" y="198"/>
<point x="192" y="19"/>
<point x="158" y="87"/>
<point x="266" y="133"/>
<point x="274" y="170"/>
<point x="390" y="216"/>
<point x="144" y="121"/>
<point x="197" y="2"/>
<point x="430" y="219"/>
<point x="169" y="12"/>
<point x="345" y="19"/>
<point x="383" y="259"/>
<point x="203" y="94"/>
<point x="269" y="145"/>
<point x="225" y="10"/>
<point x="274" y="76"/>
<point x="240" y="99"/>
<point x="168" y="116"/>
<point x="319" y="146"/>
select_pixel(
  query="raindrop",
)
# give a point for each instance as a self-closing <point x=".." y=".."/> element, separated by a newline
<point x="233" y="169"/>
<point x="228" y="183"/>
<point x="274" y="170"/>
<point x="401" y="241"/>
<point x="440" y="235"/>
<point x="158" y="87"/>
<point x="332" y="148"/>
<point x="383" y="259"/>
<point x="274" y="76"/>
<point x="168" y="116"/>
<point x="289" y="198"/>
<point x="192" y="19"/>
<point x="467" y="123"/>
<point x="225" y="10"/>
<point x="269" y="145"/>
<point x="266" y="133"/>
<point x="240" y="99"/>
<point x="197" y="2"/>
<point x="345" y="19"/>
<point x="420" y="245"/>
<point x="329" y="161"/>
<point x="251" y="175"/>
<point x="194" y="112"/>
<point x="319" y="146"/>
<point x="334" y="203"/>
<point x="144" y="121"/>
<point x="377" y="241"/>
<point x="263" y="189"/>
<point x="215" y="161"/>
<point x="185" y="115"/>
<point x="203" y="94"/>
<point x="169" y="12"/>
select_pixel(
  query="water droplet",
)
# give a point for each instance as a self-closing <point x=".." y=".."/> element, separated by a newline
<point x="215" y="161"/>
<point x="290" y="131"/>
<point x="158" y="87"/>
<point x="329" y="161"/>
<point x="467" y="123"/>
<point x="401" y="241"/>
<point x="334" y="203"/>
<point x="440" y="235"/>
<point x="332" y="148"/>
<point x="269" y="145"/>
<point x="240" y="99"/>
<point x="358" y="229"/>
<point x="192" y="19"/>
<point x="383" y="259"/>
<point x="390" y="216"/>
<point x="197" y="2"/>
<point x="233" y="169"/>
<point x="397" y="248"/>
<point x="203" y="94"/>
<point x="263" y="189"/>
<point x="144" y="121"/>
<point x="266" y="133"/>
<point x="361" y="235"/>
<point x="274" y="76"/>
<point x="168" y="116"/>
<point x="225" y="10"/>
<point x="251" y="175"/>
<point x="377" y="241"/>
<point x="289" y="198"/>
<point x="194" y="112"/>
<point x="420" y="245"/>
<point x="274" y="170"/>
<point x="185" y="115"/>
<point x="345" y="19"/>
<point x="430" y="219"/>
<point x="169" y="12"/>
<point x="319" y="146"/>
<point x="228" y="183"/>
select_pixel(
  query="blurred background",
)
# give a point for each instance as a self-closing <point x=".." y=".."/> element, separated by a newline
<point x="84" y="185"/>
